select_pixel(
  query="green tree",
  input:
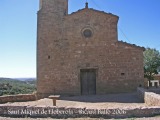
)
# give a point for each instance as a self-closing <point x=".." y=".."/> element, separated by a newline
<point x="151" y="62"/>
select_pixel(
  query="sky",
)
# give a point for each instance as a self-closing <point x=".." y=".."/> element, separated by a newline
<point x="139" y="23"/>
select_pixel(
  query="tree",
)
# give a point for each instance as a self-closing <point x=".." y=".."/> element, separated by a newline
<point x="151" y="62"/>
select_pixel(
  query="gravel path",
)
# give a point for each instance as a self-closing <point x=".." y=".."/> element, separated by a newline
<point x="125" y="100"/>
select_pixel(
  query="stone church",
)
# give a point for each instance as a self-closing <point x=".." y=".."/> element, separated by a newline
<point x="79" y="53"/>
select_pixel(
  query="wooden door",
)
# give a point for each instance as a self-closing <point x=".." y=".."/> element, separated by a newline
<point x="88" y="81"/>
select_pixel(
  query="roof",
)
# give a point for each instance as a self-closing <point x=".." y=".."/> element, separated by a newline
<point x="131" y="45"/>
<point x="91" y="9"/>
<point x="157" y="74"/>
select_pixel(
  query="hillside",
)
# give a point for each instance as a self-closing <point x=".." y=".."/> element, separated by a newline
<point x="10" y="86"/>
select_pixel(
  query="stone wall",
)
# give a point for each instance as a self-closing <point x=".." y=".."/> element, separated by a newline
<point x="149" y="98"/>
<point x="62" y="112"/>
<point x="63" y="51"/>
<point x="152" y="99"/>
<point x="17" y="98"/>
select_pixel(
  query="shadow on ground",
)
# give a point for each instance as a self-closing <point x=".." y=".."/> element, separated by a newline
<point x="119" y="98"/>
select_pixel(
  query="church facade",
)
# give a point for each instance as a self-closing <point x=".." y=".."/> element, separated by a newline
<point x="79" y="53"/>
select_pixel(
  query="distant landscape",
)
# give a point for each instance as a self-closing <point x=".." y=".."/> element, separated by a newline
<point x="13" y="86"/>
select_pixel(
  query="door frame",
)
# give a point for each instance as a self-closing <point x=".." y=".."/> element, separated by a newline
<point x="96" y="72"/>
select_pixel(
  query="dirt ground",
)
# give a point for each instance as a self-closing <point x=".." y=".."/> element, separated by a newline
<point x="125" y="100"/>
